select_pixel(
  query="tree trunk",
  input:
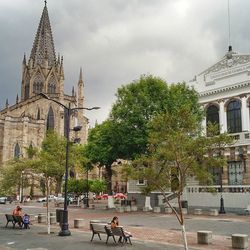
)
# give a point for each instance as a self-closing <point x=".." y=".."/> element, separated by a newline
<point x="47" y="194"/>
<point x="184" y="236"/>
<point x="109" y="187"/>
<point x="109" y="179"/>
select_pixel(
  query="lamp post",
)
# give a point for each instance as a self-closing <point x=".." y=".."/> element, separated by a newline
<point x="21" y="196"/>
<point x="64" y="225"/>
<point x="222" y="209"/>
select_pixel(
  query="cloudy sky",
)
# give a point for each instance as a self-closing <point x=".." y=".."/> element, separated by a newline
<point x="115" y="41"/>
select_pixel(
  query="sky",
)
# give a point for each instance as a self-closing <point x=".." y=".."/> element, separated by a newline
<point x="116" y="41"/>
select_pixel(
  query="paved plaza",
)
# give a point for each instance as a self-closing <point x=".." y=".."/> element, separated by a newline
<point x="149" y="230"/>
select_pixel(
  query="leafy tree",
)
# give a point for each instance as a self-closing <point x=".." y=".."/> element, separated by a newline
<point x="98" y="186"/>
<point x="137" y="103"/>
<point x="176" y="150"/>
<point x="101" y="148"/>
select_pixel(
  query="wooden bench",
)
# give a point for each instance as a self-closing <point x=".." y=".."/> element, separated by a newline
<point x="14" y="219"/>
<point x="118" y="231"/>
<point x="100" y="228"/>
<point x="103" y="228"/>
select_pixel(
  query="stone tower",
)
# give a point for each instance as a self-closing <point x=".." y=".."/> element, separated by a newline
<point x="25" y="123"/>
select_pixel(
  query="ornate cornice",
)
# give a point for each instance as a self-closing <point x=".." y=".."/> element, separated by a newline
<point x="225" y="89"/>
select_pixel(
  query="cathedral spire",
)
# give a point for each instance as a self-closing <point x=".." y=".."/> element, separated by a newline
<point x="24" y="59"/>
<point x="43" y="42"/>
<point x="80" y="77"/>
<point x="80" y="90"/>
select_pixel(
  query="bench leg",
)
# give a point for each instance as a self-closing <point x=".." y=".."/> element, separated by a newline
<point x="99" y="236"/>
<point x="114" y="238"/>
<point x="92" y="237"/>
<point x="107" y="239"/>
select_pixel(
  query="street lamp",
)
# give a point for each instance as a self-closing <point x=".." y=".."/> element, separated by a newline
<point x="21" y="196"/>
<point x="64" y="225"/>
<point x="222" y="209"/>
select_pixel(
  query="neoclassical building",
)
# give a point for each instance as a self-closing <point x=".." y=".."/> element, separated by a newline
<point x="224" y="92"/>
<point x="25" y="123"/>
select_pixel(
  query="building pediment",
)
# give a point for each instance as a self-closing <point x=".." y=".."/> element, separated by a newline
<point x="231" y="64"/>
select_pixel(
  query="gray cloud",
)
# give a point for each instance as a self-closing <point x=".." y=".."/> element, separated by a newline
<point x="115" y="41"/>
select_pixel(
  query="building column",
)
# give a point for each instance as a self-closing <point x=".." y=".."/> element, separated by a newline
<point x="244" y="114"/>
<point x="223" y="117"/>
<point x="204" y="125"/>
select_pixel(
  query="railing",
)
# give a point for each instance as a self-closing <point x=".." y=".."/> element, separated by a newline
<point x="217" y="189"/>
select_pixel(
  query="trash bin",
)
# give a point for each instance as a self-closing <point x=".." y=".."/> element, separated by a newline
<point x="184" y="204"/>
<point x="58" y="215"/>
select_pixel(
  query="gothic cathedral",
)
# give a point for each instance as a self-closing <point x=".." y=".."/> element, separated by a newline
<point x="25" y="123"/>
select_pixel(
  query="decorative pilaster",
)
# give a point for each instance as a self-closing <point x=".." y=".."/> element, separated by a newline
<point x="223" y="118"/>
<point x="244" y="114"/>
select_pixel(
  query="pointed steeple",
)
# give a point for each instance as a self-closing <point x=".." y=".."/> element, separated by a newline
<point x="43" y="42"/>
<point x="80" y="77"/>
<point x="24" y="59"/>
<point x="61" y="68"/>
<point x="17" y="99"/>
<point x="80" y="98"/>
<point x="73" y="91"/>
<point x="7" y="103"/>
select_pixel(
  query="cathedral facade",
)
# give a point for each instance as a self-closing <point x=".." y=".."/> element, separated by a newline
<point x="25" y="123"/>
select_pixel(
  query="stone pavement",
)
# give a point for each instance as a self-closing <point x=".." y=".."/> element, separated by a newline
<point x="150" y="231"/>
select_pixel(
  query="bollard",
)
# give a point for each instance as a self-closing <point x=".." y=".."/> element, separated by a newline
<point x="78" y="223"/>
<point x="52" y="219"/>
<point x="197" y="211"/>
<point x="41" y="218"/>
<point x="157" y="209"/>
<point x="240" y="241"/>
<point x="204" y="237"/>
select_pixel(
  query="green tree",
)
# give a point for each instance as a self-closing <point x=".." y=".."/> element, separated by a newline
<point x="177" y="150"/>
<point x="102" y="148"/>
<point x="137" y="103"/>
<point x="98" y="186"/>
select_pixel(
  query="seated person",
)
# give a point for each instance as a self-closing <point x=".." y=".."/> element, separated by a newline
<point x="18" y="212"/>
<point x="26" y="221"/>
<point x="115" y="223"/>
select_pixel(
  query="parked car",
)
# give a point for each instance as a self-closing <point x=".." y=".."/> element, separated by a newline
<point x="3" y="200"/>
<point x="44" y="199"/>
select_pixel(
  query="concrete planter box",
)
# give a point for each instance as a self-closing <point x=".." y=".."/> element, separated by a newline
<point x="168" y="210"/>
<point x="239" y="241"/>
<point x="198" y="211"/>
<point x="134" y="208"/>
<point x="120" y="209"/>
<point x="127" y="209"/>
<point x="157" y="209"/>
<point x="213" y="212"/>
<point x="78" y="223"/>
<point x="204" y="237"/>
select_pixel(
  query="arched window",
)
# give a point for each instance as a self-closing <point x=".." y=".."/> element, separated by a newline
<point x="52" y="86"/>
<point x="234" y="117"/>
<point x="50" y="120"/>
<point x="38" y="114"/>
<point x="38" y="84"/>
<point x="17" y="151"/>
<point x="212" y="116"/>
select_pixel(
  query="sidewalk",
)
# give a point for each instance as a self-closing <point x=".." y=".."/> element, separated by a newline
<point x="149" y="230"/>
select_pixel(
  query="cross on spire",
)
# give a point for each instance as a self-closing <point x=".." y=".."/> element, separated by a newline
<point x="45" y="1"/>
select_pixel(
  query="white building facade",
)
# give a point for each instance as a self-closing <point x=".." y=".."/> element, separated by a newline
<point x="224" y="92"/>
